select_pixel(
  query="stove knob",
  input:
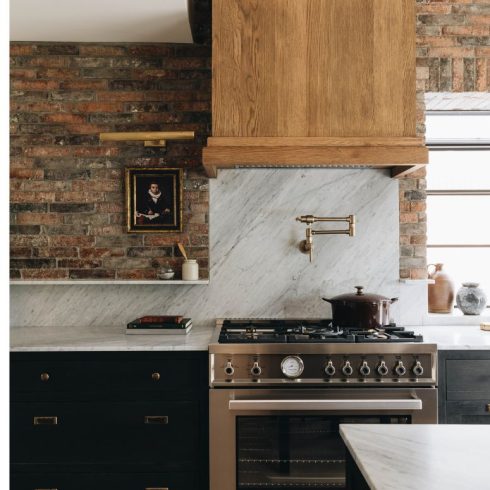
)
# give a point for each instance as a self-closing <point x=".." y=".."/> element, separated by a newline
<point x="229" y="369"/>
<point x="400" y="369"/>
<point x="329" y="369"/>
<point x="418" y="370"/>
<point x="347" y="369"/>
<point x="256" y="369"/>
<point x="382" y="369"/>
<point x="365" y="369"/>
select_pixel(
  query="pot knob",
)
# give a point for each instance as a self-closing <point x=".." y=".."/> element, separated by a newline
<point x="359" y="290"/>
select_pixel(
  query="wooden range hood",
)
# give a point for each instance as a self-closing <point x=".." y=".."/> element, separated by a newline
<point x="314" y="83"/>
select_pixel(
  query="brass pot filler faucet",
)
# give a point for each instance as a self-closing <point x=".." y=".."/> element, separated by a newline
<point x="306" y="246"/>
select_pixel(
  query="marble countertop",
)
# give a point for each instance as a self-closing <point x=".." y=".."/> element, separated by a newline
<point x="110" y="338"/>
<point x="413" y="457"/>
<point x="103" y="338"/>
<point x="454" y="337"/>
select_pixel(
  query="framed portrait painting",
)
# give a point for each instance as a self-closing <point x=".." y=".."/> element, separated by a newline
<point x="154" y="200"/>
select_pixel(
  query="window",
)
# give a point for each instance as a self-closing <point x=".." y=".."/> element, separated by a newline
<point x="458" y="195"/>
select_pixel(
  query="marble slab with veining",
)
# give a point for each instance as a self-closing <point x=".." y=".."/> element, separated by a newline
<point x="103" y="338"/>
<point x="420" y="457"/>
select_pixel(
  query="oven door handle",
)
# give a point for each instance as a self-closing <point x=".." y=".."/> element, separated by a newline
<point x="331" y="404"/>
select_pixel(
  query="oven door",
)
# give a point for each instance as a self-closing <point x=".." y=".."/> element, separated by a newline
<point x="289" y="439"/>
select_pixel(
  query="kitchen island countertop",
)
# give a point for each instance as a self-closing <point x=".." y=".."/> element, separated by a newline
<point x="414" y="457"/>
<point x="103" y="338"/>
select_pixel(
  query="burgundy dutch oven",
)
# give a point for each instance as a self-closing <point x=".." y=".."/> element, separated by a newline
<point x="361" y="310"/>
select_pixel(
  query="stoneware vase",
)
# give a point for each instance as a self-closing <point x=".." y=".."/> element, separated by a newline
<point x="441" y="293"/>
<point x="471" y="299"/>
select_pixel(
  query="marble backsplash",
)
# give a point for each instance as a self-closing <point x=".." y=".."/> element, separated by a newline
<point x="256" y="269"/>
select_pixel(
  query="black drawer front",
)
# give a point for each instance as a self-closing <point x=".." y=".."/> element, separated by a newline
<point x="104" y="481"/>
<point x="53" y="376"/>
<point x="163" y="433"/>
<point x="468" y="379"/>
<point x="468" y="412"/>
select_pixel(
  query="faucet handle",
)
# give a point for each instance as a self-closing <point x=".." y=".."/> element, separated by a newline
<point x="308" y="219"/>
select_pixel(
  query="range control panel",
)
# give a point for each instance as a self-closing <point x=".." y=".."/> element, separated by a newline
<point x="323" y="369"/>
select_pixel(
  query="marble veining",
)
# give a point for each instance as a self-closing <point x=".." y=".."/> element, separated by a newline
<point x="256" y="269"/>
<point x="103" y="338"/>
<point x="415" y="457"/>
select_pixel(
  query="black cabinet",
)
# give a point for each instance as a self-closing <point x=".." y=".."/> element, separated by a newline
<point x="109" y="420"/>
<point x="464" y="387"/>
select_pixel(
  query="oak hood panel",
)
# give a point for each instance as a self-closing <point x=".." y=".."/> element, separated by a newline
<point x="314" y="83"/>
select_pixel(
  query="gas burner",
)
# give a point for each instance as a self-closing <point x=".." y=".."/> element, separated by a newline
<point x="262" y="331"/>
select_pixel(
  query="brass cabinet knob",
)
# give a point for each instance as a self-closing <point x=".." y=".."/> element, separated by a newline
<point x="155" y="376"/>
<point x="44" y="377"/>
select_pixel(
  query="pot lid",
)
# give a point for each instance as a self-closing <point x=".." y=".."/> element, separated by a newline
<point x="361" y="297"/>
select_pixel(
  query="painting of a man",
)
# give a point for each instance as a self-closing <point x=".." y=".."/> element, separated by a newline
<point x="152" y="206"/>
<point x="154" y="197"/>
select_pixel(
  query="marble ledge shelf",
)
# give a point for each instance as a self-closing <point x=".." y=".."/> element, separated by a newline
<point x="73" y="282"/>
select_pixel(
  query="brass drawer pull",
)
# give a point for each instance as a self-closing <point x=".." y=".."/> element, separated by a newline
<point x="45" y="421"/>
<point x="44" y="377"/>
<point x="155" y="376"/>
<point x="156" y="419"/>
<point x="157" y="488"/>
<point x="45" y="489"/>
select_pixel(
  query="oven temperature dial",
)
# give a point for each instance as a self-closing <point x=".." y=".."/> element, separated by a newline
<point x="292" y="366"/>
<point x="364" y="370"/>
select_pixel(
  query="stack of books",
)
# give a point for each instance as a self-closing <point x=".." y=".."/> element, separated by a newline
<point x="159" y="325"/>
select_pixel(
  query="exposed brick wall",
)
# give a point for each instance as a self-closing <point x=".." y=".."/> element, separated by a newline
<point x="453" y="55"/>
<point x="454" y="45"/>
<point x="67" y="201"/>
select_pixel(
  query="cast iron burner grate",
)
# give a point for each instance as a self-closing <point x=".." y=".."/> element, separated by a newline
<point x="263" y="331"/>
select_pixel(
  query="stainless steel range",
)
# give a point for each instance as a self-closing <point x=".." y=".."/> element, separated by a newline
<point x="280" y="389"/>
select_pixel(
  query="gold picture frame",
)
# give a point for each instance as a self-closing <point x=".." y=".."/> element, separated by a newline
<point x="154" y="199"/>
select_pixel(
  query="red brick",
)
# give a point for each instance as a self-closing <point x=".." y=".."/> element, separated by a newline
<point x="458" y="75"/>
<point x="121" y="96"/>
<point x="466" y="30"/>
<point x="39" y="219"/>
<point x="22" y="73"/>
<point x="96" y="107"/>
<point x="58" y="73"/>
<point x="71" y="241"/>
<point x="26" y="173"/>
<point x="64" y="118"/>
<point x="35" y="84"/>
<point x="21" y="49"/>
<point x="44" y="274"/>
<point x="84" y="85"/>
<point x="96" y="185"/>
<point x="94" y="50"/>
<point x="19" y="196"/>
<point x="65" y="252"/>
<point x="136" y="274"/>
<point x="97" y="253"/>
<point x="417" y="273"/>
<point x="454" y="52"/>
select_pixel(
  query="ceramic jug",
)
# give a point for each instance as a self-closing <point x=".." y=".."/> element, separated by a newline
<point x="441" y="293"/>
